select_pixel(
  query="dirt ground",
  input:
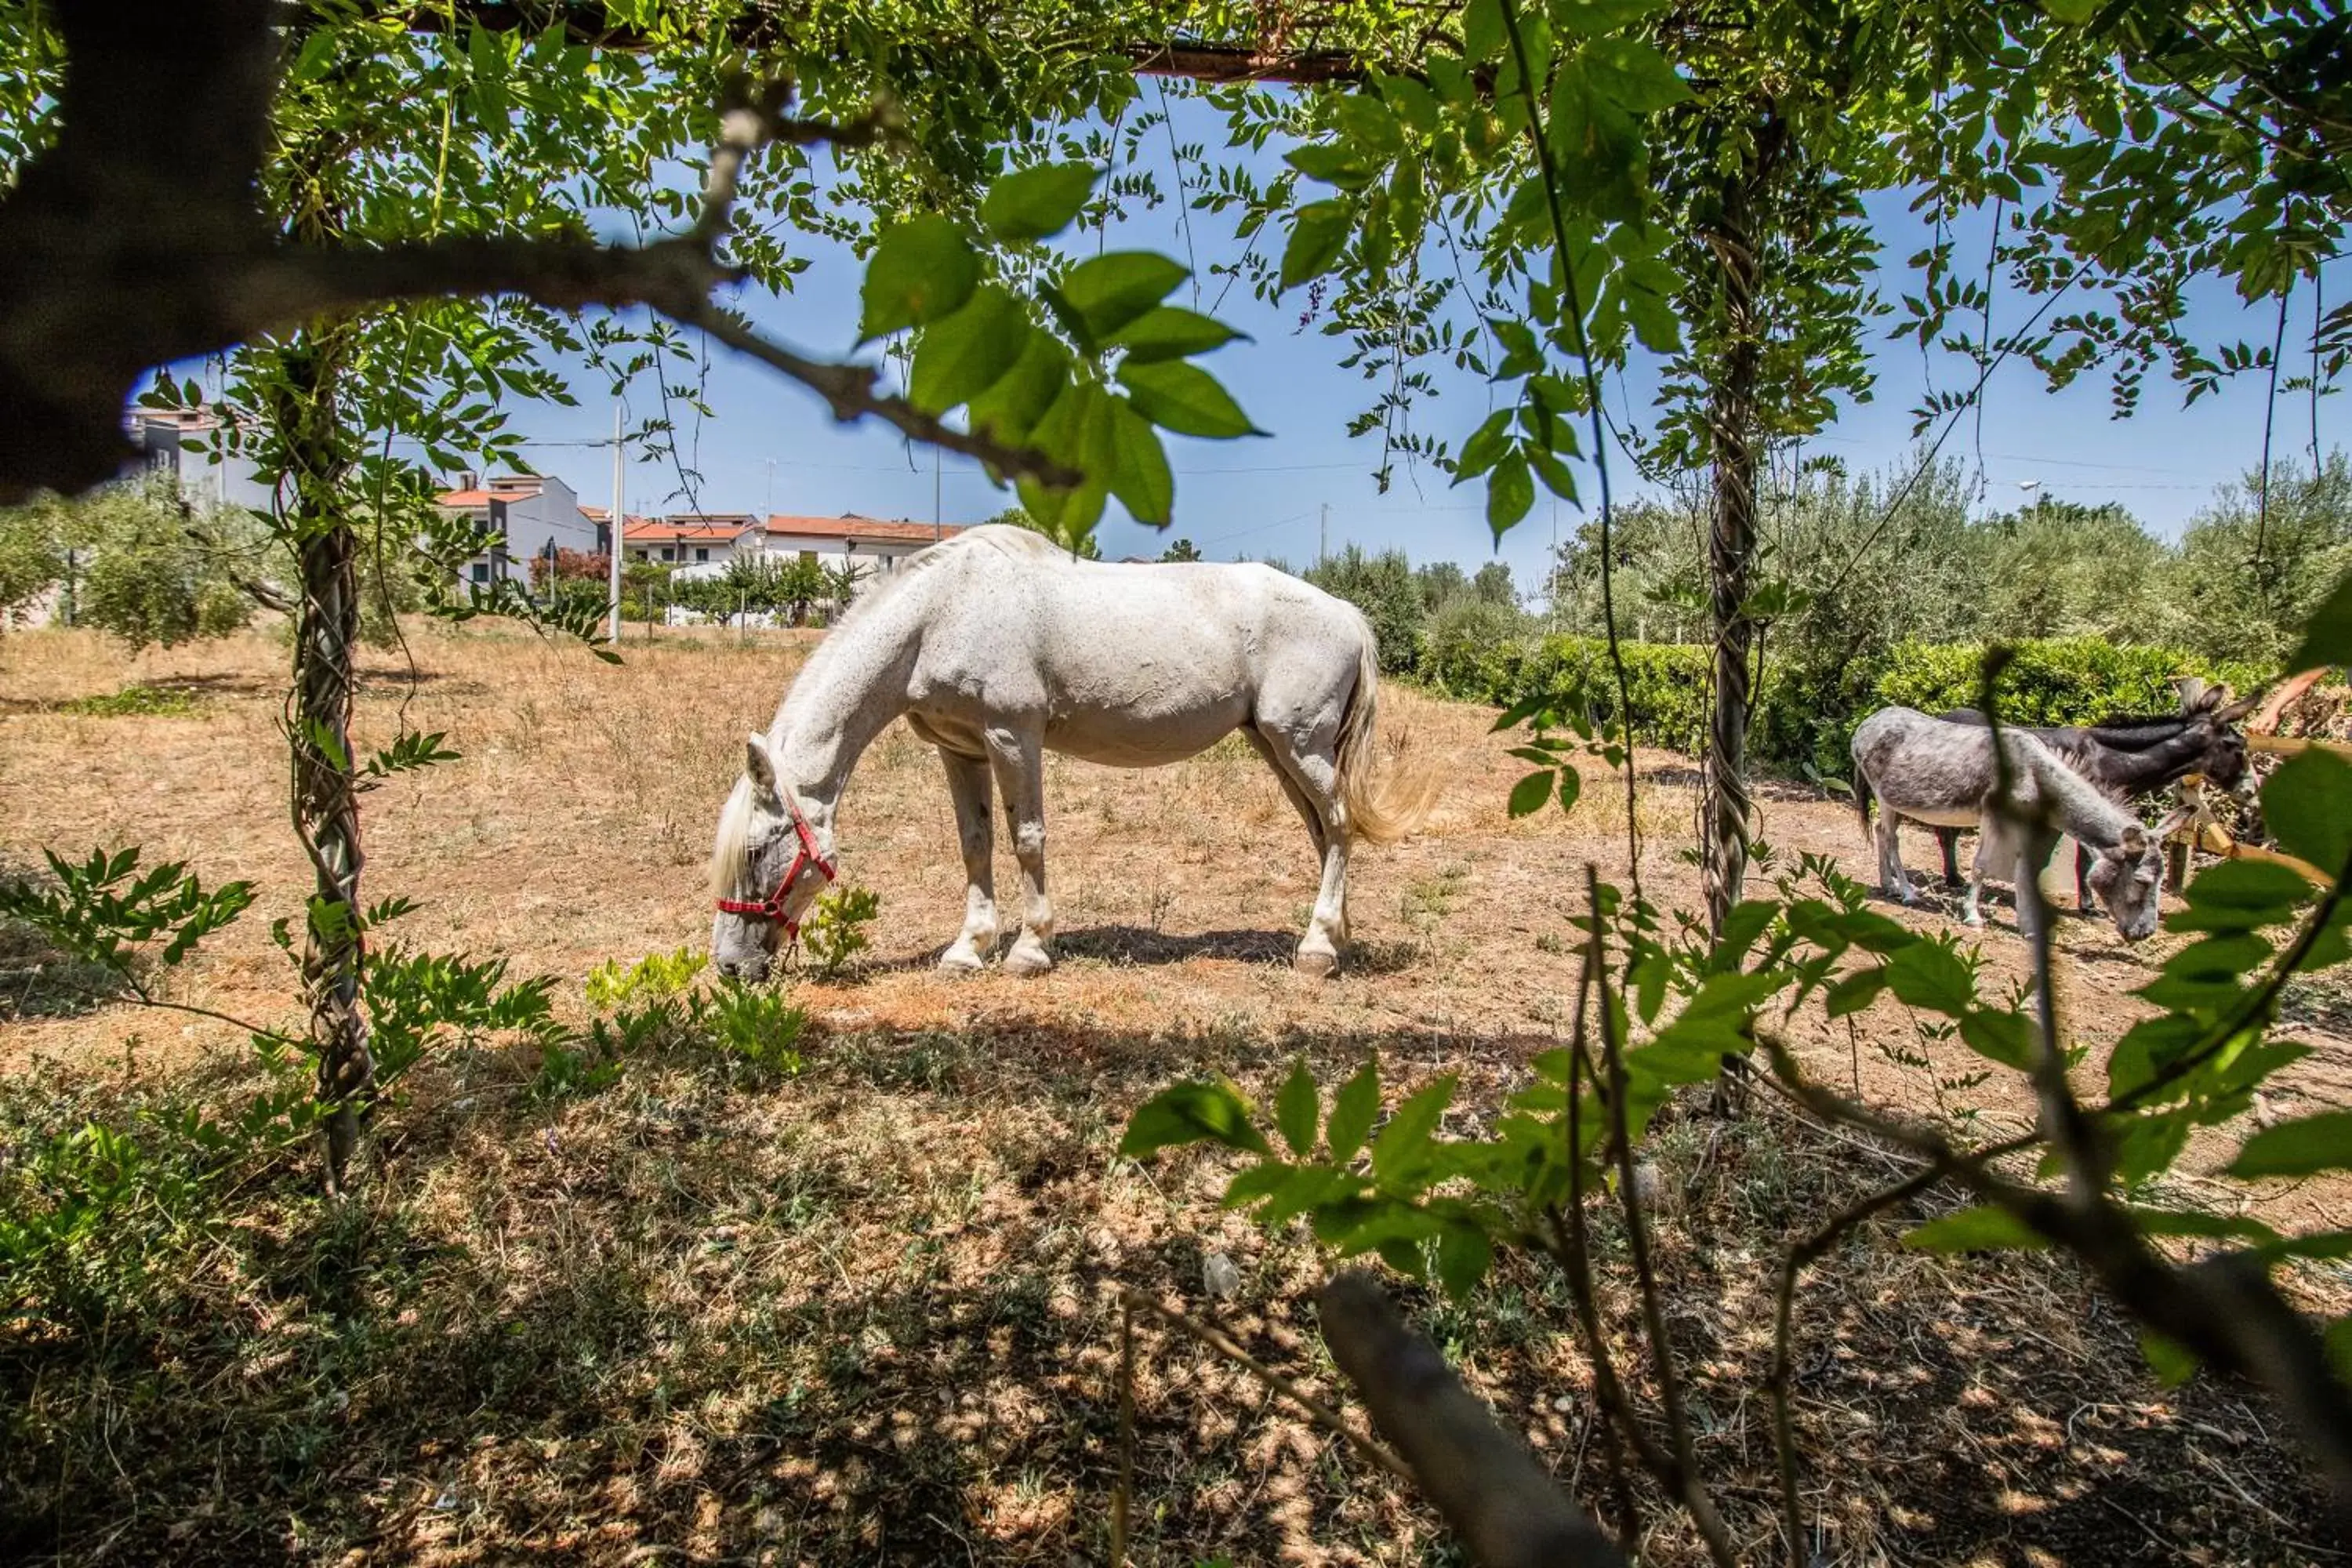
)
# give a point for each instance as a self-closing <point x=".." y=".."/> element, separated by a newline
<point x="938" y="1189"/>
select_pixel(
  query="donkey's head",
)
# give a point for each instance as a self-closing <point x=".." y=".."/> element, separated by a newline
<point x="767" y="867"/>
<point x="2214" y="712"/>
<point x="2128" y="876"/>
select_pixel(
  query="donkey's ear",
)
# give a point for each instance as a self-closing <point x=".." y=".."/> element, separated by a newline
<point x="758" y="765"/>
<point x="2134" y="844"/>
<point x="2178" y="818"/>
<point x="2236" y="711"/>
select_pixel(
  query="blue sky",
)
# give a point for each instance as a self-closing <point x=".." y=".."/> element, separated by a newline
<point x="772" y="447"/>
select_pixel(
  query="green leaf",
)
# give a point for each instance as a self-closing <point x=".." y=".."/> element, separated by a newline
<point x="2168" y="1359"/>
<point x="2240" y="895"/>
<point x="1012" y="407"/>
<point x="1856" y="991"/>
<point x="2328" y="639"/>
<point x="1571" y="785"/>
<point x="922" y="270"/>
<point x="1930" y="975"/>
<point x="1511" y="491"/>
<point x="2307" y="805"/>
<point x="1397" y="1152"/>
<point x="1318" y="232"/>
<point x="1183" y="397"/>
<point x="2001" y="1036"/>
<point x="1529" y="794"/>
<point x="1170" y="331"/>
<point x="964" y="353"/>
<point x="1481" y="29"/>
<point x="1140" y="475"/>
<point x="1191" y="1113"/>
<point x="1353" y="1112"/>
<point x="1109" y="292"/>
<point x="1633" y="75"/>
<point x="1983" y="1229"/>
<point x="2298" y="1148"/>
<point x="1296" y="1108"/>
<point x="1260" y="1180"/>
<point x="1036" y="204"/>
<point x="1464" y="1256"/>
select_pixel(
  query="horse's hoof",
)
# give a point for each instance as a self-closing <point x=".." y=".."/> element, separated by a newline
<point x="1028" y="961"/>
<point x="1317" y="964"/>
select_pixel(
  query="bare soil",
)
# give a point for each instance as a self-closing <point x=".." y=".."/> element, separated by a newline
<point x="868" y="1314"/>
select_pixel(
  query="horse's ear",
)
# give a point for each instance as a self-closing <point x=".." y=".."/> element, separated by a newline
<point x="758" y="765"/>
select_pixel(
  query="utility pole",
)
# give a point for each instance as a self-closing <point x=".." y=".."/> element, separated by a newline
<point x="771" y="504"/>
<point x="620" y="513"/>
<point x="937" y="532"/>
<point x="1323" y="537"/>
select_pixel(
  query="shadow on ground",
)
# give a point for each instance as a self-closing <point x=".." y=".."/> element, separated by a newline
<point x="868" y="1314"/>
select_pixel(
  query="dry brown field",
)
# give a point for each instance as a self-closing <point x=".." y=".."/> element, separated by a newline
<point x="866" y="1312"/>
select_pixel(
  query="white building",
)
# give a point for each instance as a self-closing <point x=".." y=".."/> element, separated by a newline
<point x="869" y="542"/>
<point x="698" y="544"/>
<point x="518" y="517"/>
<point x="179" y="442"/>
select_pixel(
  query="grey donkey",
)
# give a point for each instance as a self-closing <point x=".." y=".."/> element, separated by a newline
<point x="1945" y="775"/>
<point x="2128" y="758"/>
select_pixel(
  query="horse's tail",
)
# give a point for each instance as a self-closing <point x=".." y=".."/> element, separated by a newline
<point x="1383" y="809"/>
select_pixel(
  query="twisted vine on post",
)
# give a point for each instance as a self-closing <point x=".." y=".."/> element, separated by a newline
<point x="1732" y="431"/>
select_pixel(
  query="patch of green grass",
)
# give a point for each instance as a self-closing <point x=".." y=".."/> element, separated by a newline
<point x="136" y="701"/>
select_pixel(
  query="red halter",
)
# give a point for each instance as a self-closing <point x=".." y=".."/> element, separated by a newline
<point x="773" y="907"/>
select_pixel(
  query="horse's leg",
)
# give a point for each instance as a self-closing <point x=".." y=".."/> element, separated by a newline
<point x="1018" y="758"/>
<point x="1307" y="811"/>
<point x="968" y="787"/>
<point x="1310" y="766"/>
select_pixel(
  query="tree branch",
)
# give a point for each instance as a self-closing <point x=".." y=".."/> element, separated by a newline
<point x="1504" y="1504"/>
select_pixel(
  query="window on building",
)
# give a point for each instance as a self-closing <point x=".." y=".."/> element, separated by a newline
<point x="667" y="554"/>
<point x="808" y="557"/>
<point x="481" y="571"/>
<point x="700" y="553"/>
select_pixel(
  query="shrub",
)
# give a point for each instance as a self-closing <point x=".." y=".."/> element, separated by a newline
<point x="835" y="932"/>
<point x="2059" y="680"/>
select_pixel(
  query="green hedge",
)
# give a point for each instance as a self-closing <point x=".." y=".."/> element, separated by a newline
<point x="2061" y="681"/>
<point x="1806" y="718"/>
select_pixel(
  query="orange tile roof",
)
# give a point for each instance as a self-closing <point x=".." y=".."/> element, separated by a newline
<point x="851" y="526"/>
<point x="683" y="530"/>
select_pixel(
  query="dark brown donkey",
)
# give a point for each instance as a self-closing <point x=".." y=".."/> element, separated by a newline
<point x="2127" y="758"/>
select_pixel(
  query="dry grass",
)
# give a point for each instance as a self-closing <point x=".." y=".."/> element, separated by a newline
<point x="864" y="1313"/>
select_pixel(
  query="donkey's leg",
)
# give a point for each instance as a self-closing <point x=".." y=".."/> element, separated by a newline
<point x="2087" y="902"/>
<point x="1987" y="859"/>
<point x="1018" y="757"/>
<point x="1950" y="839"/>
<point x="1892" y="880"/>
<point x="1309" y="765"/>
<point x="968" y="787"/>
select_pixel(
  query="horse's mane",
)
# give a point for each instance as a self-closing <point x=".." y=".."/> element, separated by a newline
<point x="1002" y="537"/>
<point x="732" y="852"/>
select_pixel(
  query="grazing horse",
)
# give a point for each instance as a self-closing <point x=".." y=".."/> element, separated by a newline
<point x="1947" y="775"/>
<point x="2129" y="758"/>
<point x="997" y="646"/>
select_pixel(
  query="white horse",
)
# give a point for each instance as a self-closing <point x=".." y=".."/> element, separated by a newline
<point x="996" y="646"/>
